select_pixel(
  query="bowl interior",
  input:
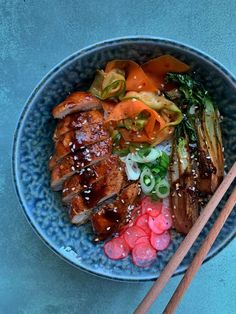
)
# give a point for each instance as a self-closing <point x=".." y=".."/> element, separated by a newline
<point x="33" y="146"/>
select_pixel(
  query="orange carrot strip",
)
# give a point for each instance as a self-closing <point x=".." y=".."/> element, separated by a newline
<point x="165" y="64"/>
<point x="131" y="108"/>
<point x="136" y="79"/>
<point x="108" y="107"/>
<point x="157" y="68"/>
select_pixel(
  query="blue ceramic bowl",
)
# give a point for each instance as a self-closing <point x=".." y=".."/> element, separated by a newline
<point x="33" y="145"/>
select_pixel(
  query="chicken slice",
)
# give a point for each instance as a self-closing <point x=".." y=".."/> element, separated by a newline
<point x="111" y="217"/>
<point x="76" y="139"/>
<point x="76" y="121"/>
<point x="89" y="176"/>
<point x="76" y="162"/>
<point x="75" y="102"/>
<point x="96" y="193"/>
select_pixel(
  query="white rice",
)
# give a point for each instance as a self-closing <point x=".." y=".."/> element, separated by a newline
<point x="165" y="146"/>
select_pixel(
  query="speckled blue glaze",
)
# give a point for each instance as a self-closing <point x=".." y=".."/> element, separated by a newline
<point x="33" y="145"/>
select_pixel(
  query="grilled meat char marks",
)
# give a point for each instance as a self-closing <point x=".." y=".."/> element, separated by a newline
<point x="75" y="162"/>
<point x="76" y="121"/>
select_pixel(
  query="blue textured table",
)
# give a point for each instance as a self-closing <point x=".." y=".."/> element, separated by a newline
<point x="35" y="35"/>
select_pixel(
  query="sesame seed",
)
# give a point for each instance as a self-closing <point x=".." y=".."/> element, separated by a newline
<point x="122" y="201"/>
<point x="108" y="228"/>
<point x="88" y="191"/>
<point x="87" y="198"/>
<point x="70" y="143"/>
<point x="75" y="157"/>
<point x="73" y="189"/>
<point x="73" y="168"/>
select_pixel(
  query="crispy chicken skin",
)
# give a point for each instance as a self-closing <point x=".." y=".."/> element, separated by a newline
<point x="75" y="102"/>
<point x="76" y="121"/>
<point x="111" y="217"/>
<point x="75" y="162"/>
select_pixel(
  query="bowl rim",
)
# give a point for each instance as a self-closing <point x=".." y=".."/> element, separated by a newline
<point x="43" y="82"/>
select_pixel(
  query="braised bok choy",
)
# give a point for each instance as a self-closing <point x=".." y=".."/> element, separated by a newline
<point x="197" y="162"/>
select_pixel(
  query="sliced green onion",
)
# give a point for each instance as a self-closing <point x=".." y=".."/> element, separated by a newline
<point x="147" y="180"/>
<point x="116" y="136"/>
<point x="162" y="188"/>
<point x="120" y="152"/>
<point x="140" y="123"/>
<point x="152" y="156"/>
<point x="131" y="168"/>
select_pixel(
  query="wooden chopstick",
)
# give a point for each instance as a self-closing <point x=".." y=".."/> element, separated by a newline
<point x="186" y="244"/>
<point x="202" y="252"/>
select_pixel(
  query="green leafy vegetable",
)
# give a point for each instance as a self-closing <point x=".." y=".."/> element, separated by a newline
<point x="201" y="123"/>
<point x="197" y="158"/>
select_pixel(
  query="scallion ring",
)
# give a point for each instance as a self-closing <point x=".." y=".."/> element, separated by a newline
<point x="162" y="188"/>
<point x="131" y="168"/>
<point x="147" y="180"/>
<point x="152" y="156"/>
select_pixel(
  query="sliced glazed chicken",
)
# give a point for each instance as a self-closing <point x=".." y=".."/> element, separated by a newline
<point x="95" y="194"/>
<point x="75" y="102"/>
<point x="76" y="139"/>
<point x="111" y="217"/>
<point x="79" y="182"/>
<point x="76" y="121"/>
<point x="77" y="161"/>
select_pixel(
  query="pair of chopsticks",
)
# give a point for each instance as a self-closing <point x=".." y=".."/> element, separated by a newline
<point x="187" y="244"/>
